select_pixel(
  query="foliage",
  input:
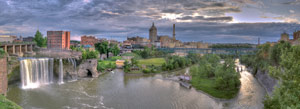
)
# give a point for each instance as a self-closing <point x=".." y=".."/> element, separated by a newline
<point x="288" y="72"/>
<point x="2" y="52"/>
<point x="87" y="54"/>
<point x="195" y="58"/>
<point x="7" y="104"/>
<point x="126" y="66"/>
<point x="276" y="51"/>
<point x="221" y="77"/>
<point x="106" y="64"/>
<point x="39" y="39"/>
<point x="115" y="50"/>
<point x="105" y="48"/>
<point x="134" y="62"/>
<point x="175" y="62"/>
<point x="150" y="52"/>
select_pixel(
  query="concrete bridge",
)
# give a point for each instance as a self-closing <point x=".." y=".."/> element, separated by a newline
<point x="227" y="51"/>
<point x="18" y="48"/>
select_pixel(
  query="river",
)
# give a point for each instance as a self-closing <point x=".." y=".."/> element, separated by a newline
<point x="116" y="90"/>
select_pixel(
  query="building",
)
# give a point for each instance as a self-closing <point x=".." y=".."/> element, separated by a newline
<point x="58" y="39"/>
<point x="284" y="37"/>
<point x="153" y="33"/>
<point x="296" y="35"/>
<point x="7" y="38"/>
<point x="88" y="40"/>
<point x="28" y="39"/>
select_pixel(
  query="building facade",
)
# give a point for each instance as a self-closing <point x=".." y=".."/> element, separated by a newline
<point x="28" y="39"/>
<point x="7" y="38"/>
<point x="153" y="33"/>
<point x="58" y="39"/>
<point x="88" y="40"/>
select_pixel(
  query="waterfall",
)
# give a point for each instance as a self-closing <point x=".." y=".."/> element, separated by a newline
<point x="73" y="62"/>
<point x="36" y="72"/>
<point x="61" y="72"/>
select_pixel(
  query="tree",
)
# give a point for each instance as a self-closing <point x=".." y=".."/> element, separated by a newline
<point x="115" y="49"/>
<point x="102" y="48"/>
<point x="287" y="95"/>
<point x="134" y="62"/>
<point x="40" y="41"/>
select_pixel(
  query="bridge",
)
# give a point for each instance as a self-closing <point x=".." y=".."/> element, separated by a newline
<point x="18" y="48"/>
<point x="228" y="51"/>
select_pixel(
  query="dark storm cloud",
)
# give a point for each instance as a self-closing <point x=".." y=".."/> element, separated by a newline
<point x="121" y="18"/>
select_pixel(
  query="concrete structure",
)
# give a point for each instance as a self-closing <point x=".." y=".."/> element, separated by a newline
<point x="17" y="48"/>
<point x="88" y="40"/>
<point x="3" y="75"/>
<point x="58" y="39"/>
<point x="7" y="38"/>
<point x="28" y="39"/>
<point x="153" y="33"/>
<point x="174" y="32"/>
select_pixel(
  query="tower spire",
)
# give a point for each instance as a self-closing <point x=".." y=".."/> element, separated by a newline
<point x="174" y="32"/>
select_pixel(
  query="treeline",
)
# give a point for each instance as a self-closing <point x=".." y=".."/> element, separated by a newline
<point x="231" y="46"/>
<point x="282" y="62"/>
<point x="265" y="56"/>
<point x="86" y="53"/>
<point x="176" y="62"/>
<point x="150" y="52"/>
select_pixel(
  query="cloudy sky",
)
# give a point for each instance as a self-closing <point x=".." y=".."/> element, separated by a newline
<point x="216" y="21"/>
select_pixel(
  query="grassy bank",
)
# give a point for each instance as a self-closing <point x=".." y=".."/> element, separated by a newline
<point x="209" y="86"/>
<point x="7" y="104"/>
<point x="152" y="61"/>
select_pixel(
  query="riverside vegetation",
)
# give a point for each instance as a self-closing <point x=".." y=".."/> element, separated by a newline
<point x="282" y="62"/>
<point x="217" y="79"/>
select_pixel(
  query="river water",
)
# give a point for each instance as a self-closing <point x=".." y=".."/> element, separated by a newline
<point x="120" y="91"/>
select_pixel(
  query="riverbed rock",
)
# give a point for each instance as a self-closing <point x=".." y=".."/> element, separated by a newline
<point x="88" y="68"/>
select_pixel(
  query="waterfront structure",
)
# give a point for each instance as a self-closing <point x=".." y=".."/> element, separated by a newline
<point x="88" y="40"/>
<point x="7" y="38"/>
<point x="3" y="75"/>
<point x="58" y="39"/>
<point x="153" y="33"/>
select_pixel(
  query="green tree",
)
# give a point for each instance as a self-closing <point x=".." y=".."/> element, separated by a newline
<point x="134" y="62"/>
<point x="115" y="49"/>
<point x="102" y="48"/>
<point x="39" y="39"/>
<point x="276" y="51"/>
<point x="287" y="95"/>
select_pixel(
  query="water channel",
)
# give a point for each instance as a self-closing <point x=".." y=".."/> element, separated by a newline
<point x="117" y="90"/>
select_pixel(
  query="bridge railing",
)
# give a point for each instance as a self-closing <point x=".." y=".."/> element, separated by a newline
<point x="17" y="43"/>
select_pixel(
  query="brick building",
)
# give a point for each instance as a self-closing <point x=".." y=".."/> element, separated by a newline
<point x="88" y="40"/>
<point x="3" y="76"/>
<point x="58" y="39"/>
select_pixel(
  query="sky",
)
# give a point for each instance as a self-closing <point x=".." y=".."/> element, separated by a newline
<point x="213" y="21"/>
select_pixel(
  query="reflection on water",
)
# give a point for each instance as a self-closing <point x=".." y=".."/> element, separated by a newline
<point x="119" y="91"/>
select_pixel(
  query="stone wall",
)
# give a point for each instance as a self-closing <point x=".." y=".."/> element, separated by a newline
<point x="266" y="81"/>
<point x="3" y="75"/>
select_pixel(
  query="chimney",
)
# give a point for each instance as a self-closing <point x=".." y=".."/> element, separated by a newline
<point x="174" y="32"/>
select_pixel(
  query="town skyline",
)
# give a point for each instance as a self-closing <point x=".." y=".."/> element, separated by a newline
<point x="221" y="21"/>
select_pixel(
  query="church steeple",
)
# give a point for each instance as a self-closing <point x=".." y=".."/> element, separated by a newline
<point x="153" y="33"/>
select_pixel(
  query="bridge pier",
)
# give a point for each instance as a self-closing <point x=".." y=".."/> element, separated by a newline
<point x="5" y="48"/>
<point x="14" y="50"/>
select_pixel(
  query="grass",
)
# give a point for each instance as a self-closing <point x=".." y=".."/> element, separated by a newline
<point x="7" y="104"/>
<point x="152" y="61"/>
<point x="208" y="86"/>
<point x="132" y="54"/>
